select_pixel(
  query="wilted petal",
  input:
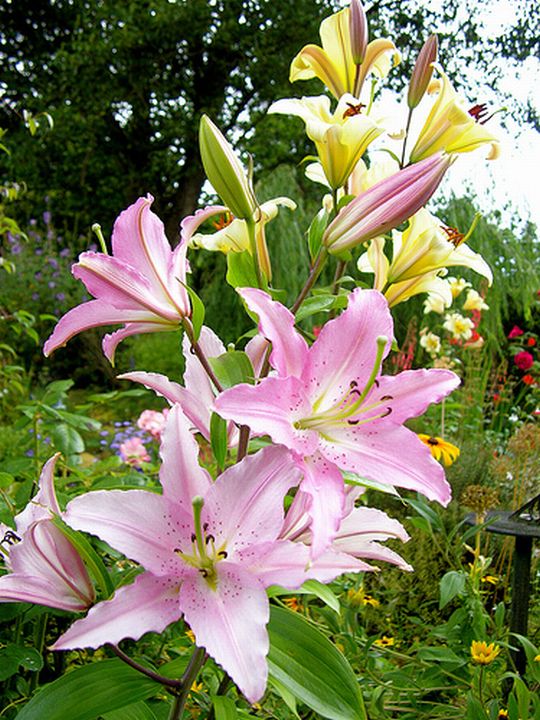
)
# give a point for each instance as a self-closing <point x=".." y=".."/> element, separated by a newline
<point x="147" y="605"/>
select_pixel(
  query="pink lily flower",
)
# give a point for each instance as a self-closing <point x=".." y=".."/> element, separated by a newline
<point x="198" y="395"/>
<point x="141" y="285"/>
<point x="333" y="409"/>
<point x="209" y="551"/>
<point x="360" y="532"/>
<point x="44" y="566"/>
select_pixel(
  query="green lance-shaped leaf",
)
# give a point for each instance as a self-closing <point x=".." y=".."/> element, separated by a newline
<point x="232" y="367"/>
<point x="218" y="438"/>
<point x="89" y="692"/>
<point x="305" y="662"/>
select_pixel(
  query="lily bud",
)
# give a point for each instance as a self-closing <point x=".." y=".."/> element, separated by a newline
<point x="386" y="204"/>
<point x="358" y="26"/>
<point x="224" y="170"/>
<point x="422" y="72"/>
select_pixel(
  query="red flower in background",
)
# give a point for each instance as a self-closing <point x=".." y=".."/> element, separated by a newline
<point x="515" y="332"/>
<point x="531" y="342"/>
<point x="523" y="360"/>
<point x="528" y="379"/>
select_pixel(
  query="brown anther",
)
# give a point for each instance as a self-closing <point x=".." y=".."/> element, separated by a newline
<point x="203" y="572"/>
<point x="11" y="538"/>
<point x="193" y="538"/>
<point x="387" y="412"/>
<point x="480" y="113"/>
<point x="210" y="538"/>
<point x="386" y="397"/>
<point x="223" y="221"/>
<point x="223" y="554"/>
<point x="353" y="110"/>
<point x="353" y="422"/>
<point x="453" y="235"/>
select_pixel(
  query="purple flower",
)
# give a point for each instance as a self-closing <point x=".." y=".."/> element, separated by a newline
<point x="53" y="262"/>
<point x="47" y="217"/>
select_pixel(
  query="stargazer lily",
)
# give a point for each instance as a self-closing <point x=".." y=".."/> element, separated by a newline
<point x="334" y="63"/>
<point x="231" y="233"/>
<point x="142" y="284"/>
<point x="450" y="127"/>
<point x="209" y="551"/>
<point x="45" y="568"/>
<point x="341" y="137"/>
<point x="332" y="408"/>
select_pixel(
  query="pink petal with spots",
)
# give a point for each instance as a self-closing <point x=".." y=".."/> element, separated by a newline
<point x="413" y="391"/>
<point x="181" y="476"/>
<point x="277" y="563"/>
<point x="147" y="605"/>
<point x="230" y="623"/>
<point x="276" y="323"/>
<point x="271" y="408"/>
<point x="324" y="485"/>
<point x="346" y="348"/>
<point x="245" y="504"/>
<point x="143" y="526"/>
<point x="389" y="454"/>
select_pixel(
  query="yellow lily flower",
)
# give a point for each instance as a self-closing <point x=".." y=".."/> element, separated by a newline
<point x="333" y="63"/>
<point x="419" y="254"/>
<point x="426" y="245"/>
<point x="450" y="127"/>
<point x="232" y="233"/>
<point x="341" y="137"/>
<point x="375" y="261"/>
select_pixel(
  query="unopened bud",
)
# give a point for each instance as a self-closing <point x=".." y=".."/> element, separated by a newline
<point x="224" y="170"/>
<point x="422" y="72"/>
<point x="358" y="25"/>
<point x="386" y="204"/>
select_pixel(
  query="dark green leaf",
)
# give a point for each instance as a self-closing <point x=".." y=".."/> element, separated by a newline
<point x="218" y="438"/>
<point x="197" y="311"/>
<point x="137" y="711"/>
<point x="306" y="663"/>
<point x="67" y="439"/>
<point x="316" y="232"/>
<point x="90" y="691"/>
<point x="14" y="656"/>
<point x="232" y="368"/>
<point x="452" y="584"/>
<point x="224" y="708"/>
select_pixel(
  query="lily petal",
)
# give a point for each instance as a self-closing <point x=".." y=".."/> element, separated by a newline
<point x="135" y="522"/>
<point x="180" y="475"/>
<point x="44" y="501"/>
<point x="276" y="323"/>
<point x="149" y="604"/>
<point x="230" y="622"/>
<point x="324" y="485"/>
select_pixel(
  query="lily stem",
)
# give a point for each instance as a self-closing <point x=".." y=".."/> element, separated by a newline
<point x="243" y="442"/>
<point x="407" y="127"/>
<point x="310" y="282"/>
<point x="200" y="355"/>
<point x="188" y="678"/>
<point x="168" y="682"/>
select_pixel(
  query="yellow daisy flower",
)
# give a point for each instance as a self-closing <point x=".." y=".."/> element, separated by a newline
<point x="440" y="449"/>
<point x="384" y="642"/>
<point x="482" y="653"/>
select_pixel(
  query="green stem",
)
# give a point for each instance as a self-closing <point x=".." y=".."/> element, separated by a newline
<point x="407" y="127"/>
<point x="250" y="223"/>
<point x="480" y="685"/>
<point x="310" y="282"/>
<point x="39" y="637"/>
<point x="188" y="678"/>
